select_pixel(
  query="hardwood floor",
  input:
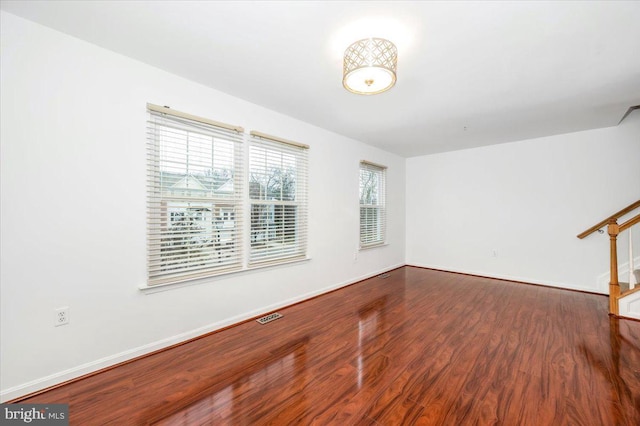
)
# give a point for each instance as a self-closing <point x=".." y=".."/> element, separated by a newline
<point x="419" y="347"/>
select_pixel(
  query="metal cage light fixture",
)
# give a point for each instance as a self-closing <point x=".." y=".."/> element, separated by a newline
<point x="370" y="66"/>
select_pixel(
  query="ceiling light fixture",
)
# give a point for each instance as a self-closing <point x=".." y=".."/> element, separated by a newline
<point x="370" y="66"/>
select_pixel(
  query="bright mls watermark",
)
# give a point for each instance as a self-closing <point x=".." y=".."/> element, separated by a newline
<point x="34" y="414"/>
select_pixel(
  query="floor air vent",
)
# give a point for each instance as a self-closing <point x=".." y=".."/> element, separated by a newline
<point x="268" y="318"/>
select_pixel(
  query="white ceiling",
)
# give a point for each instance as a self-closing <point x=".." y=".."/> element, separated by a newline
<point x="469" y="73"/>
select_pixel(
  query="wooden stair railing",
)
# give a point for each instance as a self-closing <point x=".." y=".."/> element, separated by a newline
<point x="613" y="229"/>
<point x="616" y="216"/>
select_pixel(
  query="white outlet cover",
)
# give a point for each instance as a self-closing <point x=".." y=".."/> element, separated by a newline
<point x="61" y="316"/>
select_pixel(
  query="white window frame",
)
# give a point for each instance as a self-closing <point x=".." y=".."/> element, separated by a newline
<point x="203" y="244"/>
<point x="372" y="201"/>
<point x="282" y="239"/>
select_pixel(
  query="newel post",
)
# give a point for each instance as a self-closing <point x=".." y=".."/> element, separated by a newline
<point x="614" y="286"/>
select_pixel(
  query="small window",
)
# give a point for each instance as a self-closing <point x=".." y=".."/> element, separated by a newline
<point x="372" y="204"/>
<point x="278" y="199"/>
<point x="194" y="197"/>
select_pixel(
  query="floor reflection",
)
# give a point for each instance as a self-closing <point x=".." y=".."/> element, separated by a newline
<point x="625" y="354"/>
<point x="371" y="320"/>
<point x="375" y="316"/>
<point x="619" y="365"/>
<point x="282" y="380"/>
<point x="281" y="374"/>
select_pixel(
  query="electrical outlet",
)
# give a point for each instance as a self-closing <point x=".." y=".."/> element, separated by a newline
<point x="495" y="252"/>
<point x="61" y="316"/>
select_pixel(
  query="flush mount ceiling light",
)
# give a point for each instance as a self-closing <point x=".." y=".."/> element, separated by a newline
<point x="370" y="66"/>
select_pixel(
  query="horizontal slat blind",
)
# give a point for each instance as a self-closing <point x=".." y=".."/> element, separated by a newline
<point x="372" y="204"/>
<point x="194" y="207"/>
<point x="278" y="198"/>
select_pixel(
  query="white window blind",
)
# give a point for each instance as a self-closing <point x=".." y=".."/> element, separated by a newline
<point x="194" y="214"/>
<point x="372" y="204"/>
<point x="278" y="198"/>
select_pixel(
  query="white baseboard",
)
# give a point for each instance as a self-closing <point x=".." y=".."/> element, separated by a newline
<point x="526" y="280"/>
<point x="99" y="364"/>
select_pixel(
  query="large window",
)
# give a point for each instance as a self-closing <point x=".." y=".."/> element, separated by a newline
<point x="194" y="197"/>
<point x="278" y="198"/>
<point x="372" y="204"/>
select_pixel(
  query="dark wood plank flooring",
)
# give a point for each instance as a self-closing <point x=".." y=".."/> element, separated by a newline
<point x="419" y="347"/>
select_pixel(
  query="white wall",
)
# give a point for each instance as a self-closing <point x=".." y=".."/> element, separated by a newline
<point x="73" y="211"/>
<point x="528" y="200"/>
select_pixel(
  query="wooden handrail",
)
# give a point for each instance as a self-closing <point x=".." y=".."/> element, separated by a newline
<point x="628" y="224"/>
<point x="615" y="216"/>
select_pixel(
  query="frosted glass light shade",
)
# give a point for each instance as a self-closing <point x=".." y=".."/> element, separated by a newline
<point x="370" y="66"/>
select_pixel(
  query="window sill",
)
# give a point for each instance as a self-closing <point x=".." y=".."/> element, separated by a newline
<point x="157" y="288"/>
<point x="372" y="246"/>
<point x="267" y="264"/>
